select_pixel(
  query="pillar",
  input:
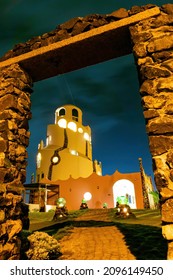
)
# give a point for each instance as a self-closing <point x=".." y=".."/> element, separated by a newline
<point x="15" y="90"/>
<point x="153" y="51"/>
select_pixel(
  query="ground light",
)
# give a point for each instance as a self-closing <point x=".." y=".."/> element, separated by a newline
<point x="83" y="204"/>
<point x="61" y="209"/>
<point x="124" y="211"/>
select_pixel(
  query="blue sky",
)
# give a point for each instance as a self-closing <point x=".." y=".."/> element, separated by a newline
<point x="107" y="93"/>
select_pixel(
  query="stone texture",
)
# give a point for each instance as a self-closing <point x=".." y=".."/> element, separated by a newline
<point x="167" y="232"/>
<point x="15" y="112"/>
<point x="153" y="51"/>
<point x="170" y="251"/>
<point x="160" y="125"/>
<point x="167" y="213"/>
<point x="120" y="13"/>
<point x="166" y="193"/>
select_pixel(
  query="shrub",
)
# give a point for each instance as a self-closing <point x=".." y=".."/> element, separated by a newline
<point x="43" y="247"/>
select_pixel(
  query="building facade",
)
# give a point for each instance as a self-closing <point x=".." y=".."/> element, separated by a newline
<point x="65" y="168"/>
<point x="68" y="149"/>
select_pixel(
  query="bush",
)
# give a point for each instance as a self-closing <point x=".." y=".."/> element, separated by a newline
<point x="24" y="234"/>
<point x="43" y="247"/>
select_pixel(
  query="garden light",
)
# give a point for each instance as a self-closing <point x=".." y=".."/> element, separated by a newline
<point x="87" y="196"/>
<point x="61" y="202"/>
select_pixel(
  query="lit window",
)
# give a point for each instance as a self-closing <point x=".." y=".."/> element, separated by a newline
<point x="87" y="196"/>
<point x="86" y="136"/>
<point x="55" y="160"/>
<point x="80" y="130"/>
<point x="73" y="152"/>
<point x="48" y="140"/>
<point x="62" y="123"/>
<point x="99" y="173"/>
<point x="38" y="160"/>
<point x="72" y="126"/>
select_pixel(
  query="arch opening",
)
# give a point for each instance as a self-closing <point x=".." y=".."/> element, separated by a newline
<point x="124" y="193"/>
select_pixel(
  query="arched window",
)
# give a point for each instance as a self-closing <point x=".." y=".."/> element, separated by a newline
<point x="74" y="114"/>
<point x="62" y="112"/>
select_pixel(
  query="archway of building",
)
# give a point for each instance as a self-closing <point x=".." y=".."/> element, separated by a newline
<point x="124" y="193"/>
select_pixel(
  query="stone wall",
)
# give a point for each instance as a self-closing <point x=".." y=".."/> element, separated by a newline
<point x="153" y="50"/>
<point x="15" y="90"/>
<point x="71" y="28"/>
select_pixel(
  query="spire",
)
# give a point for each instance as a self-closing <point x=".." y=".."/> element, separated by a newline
<point x="144" y="189"/>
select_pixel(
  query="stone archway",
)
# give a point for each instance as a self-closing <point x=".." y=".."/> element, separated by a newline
<point x="147" y="32"/>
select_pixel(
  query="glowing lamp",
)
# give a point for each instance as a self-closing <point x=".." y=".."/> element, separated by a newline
<point x="80" y="130"/>
<point x="38" y="160"/>
<point x="87" y="196"/>
<point x="55" y="159"/>
<point x="72" y="126"/>
<point x="86" y="136"/>
<point x="62" y="123"/>
<point x="61" y="202"/>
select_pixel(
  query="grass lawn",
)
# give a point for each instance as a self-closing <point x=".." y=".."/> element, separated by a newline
<point x="143" y="234"/>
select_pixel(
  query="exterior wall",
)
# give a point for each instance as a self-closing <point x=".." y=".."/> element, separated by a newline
<point x="72" y="147"/>
<point x="14" y="138"/>
<point x="153" y="52"/>
<point x="101" y="188"/>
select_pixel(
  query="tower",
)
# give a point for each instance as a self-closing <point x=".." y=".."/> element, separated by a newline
<point x="68" y="149"/>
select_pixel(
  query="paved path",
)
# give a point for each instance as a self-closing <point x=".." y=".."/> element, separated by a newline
<point x="95" y="243"/>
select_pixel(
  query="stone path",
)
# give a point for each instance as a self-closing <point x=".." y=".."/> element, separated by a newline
<point x="95" y="243"/>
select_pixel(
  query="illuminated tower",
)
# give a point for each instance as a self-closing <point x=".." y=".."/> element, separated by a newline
<point x="68" y="149"/>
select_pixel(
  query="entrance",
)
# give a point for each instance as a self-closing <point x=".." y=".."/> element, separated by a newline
<point x="124" y="192"/>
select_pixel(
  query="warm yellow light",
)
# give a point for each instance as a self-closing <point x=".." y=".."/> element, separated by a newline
<point x="80" y="130"/>
<point x="38" y="160"/>
<point x="72" y="126"/>
<point x="86" y="136"/>
<point x="87" y="196"/>
<point x="55" y="159"/>
<point x="62" y="123"/>
<point x="73" y="152"/>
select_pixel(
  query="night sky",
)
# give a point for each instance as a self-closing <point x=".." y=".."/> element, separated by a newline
<point x="107" y="93"/>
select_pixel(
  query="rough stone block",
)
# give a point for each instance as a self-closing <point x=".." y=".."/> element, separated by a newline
<point x="161" y="125"/>
<point x="169" y="158"/>
<point x="161" y="179"/>
<point x="159" y="44"/>
<point x="152" y="72"/>
<point x="160" y="144"/>
<point x="165" y="84"/>
<point x="166" y="193"/>
<point x="167" y="8"/>
<point x="151" y="102"/>
<point x="167" y="213"/>
<point x="170" y="251"/>
<point x="150" y="114"/>
<point x="167" y="232"/>
<point x="8" y="101"/>
<point x="148" y="88"/>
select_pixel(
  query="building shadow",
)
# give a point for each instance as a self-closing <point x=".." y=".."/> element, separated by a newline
<point x="144" y="242"/>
